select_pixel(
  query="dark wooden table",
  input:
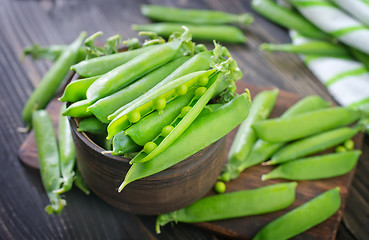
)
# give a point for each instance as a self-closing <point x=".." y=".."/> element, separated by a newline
<point x="48" y="22"/>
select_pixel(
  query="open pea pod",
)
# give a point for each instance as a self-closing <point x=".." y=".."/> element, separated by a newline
<point x="205" y="130"/>
<point x="145" y="105"/>
<point x="184" y="122"/>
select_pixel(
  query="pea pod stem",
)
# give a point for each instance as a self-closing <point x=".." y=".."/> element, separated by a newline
<point x="303" y="217"/>
<point x="45" y="91"/>
<point x="205" y="130"/>
<point x="195" y="16"/>
<point x="48" y="158"/>
<point x="235" y="204"/>
<point x="245" y="138"/>
<point x="317" y="167"/>
<point x="51" y="53"/>
<point x="221" y="33"/>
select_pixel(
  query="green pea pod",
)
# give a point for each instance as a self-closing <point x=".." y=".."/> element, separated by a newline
<point x="221" y="33"/>
<point x="263" y="150"/>
<point x="120" y="122"/>
<point x="303" y="125"/>
<point x="199" y="62"/>
<point x="151" y="126"/>
<point x="47" y="148"/>
<point x="76" y="90"/>
<point x="303" y="217"/>
<point x="80" y="182"/>
<point x="318" y="48"/>
<point x="287" y="18"/>
<point x="92" y="125"/>
<point x="67" y="153"/>
<point x="78" y="109"/>
<point x="108" y="105"/>
<point x="195" y="16"/>
<point x="123" y="143"/>
<point x="262" y="105"/>
<point x="204" y="131"/>
<point x="101" y="65"/>
<point x="317" y="167"/>
<point x="313" y="144"/>
<point x="129" y="72"/>
<point x="232" y="205"/>
<point x="49" y="84"/>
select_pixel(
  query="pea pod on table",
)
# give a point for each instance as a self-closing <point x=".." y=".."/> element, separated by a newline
<point x="316" y="167"/>
<point x="205" y="130"/>
<point x="235" y="204"/>
<point x="303" y="217"/>
<point x="48" y="158"/>
<point x="245" y="138"/>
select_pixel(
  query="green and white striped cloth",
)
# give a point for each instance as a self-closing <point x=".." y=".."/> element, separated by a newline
<point x="331" y="19"/>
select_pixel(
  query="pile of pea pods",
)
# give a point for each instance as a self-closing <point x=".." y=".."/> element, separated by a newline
<point x="308" y="127"/>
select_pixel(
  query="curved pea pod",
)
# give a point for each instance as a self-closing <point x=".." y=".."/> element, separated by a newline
<point x="313" y="144"/>
<point x="245" y="138"/>
<point x="108" y="105"/>
<point x="317" y="167"/>
<point x="204" y="131"/>
<point x="145" y="103"/>
<point x="303" y="217"/>
<point x="199" y="62"/>
<point x="101" y="65"/>
<point x="92" y="125"/>
<point x="303" y="125"/>
<point x="49" y="160"/>
<point x="80" y="182"/>
<point x="262" y="150"/>
<point x="49" y="84"/>
<point x="123" y="143"/>
<point x="67" y="153"/>
<point x="235" y="204"/>
<point x="78" y="109"/>
<point x="76" y="90"/>
<point x="185" y="122"/>
<point x="129" y="72"/>
<point x="151" y="126"/>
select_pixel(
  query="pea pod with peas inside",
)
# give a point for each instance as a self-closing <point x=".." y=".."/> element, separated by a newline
<point x="235" y="204"/>
<point x="129" y="72"/>
<point x="205" y="130"/>
<point x="303" y="217"/>
<point x="303" y="125"/>
<point x="316" y="167"/>
<point x="245" y="138"/>
<point x="262" y="150"/>
<point x="313" y="144"/>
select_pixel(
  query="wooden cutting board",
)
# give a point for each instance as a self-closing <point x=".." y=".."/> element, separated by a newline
<point x="247" y="227"/>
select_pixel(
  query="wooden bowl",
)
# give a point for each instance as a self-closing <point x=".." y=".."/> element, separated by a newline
<point x="171" y="189"/>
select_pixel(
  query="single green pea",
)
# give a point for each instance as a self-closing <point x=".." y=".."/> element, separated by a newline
<point x="202" y="81"/>
<point x="149" y="147"/>
<point x="134" y="116"/>
<point x="219" y="187"/>
<point x="159" y="103"/>
<point x="200" y="91"/>
<point x="349" y="144"/>
<point x="182" y="90"/>
<point x="184" y="111"/>
<point x="341" y="149"/>
<point x="166" y="130"/>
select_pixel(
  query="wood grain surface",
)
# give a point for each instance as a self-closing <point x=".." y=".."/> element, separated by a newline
<point x="47" y="22"/>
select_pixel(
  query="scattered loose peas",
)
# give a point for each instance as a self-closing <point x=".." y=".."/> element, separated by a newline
<point x="349" y="144"/>
<point x="202" y="81"/>
<point x="200" y="91"/>
<point x="149" y="147"/>
<point x="159" y="103"/>
<point x="219" y="187"/>
<point x="134" y="116"/>
<point x="181" y="90"/>
<point x="166" y="130"/>
<point x="184" y="111"/>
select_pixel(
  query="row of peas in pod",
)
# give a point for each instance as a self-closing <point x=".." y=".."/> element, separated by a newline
<point x="152" y="101"/>
<point x="308" y="127"/>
